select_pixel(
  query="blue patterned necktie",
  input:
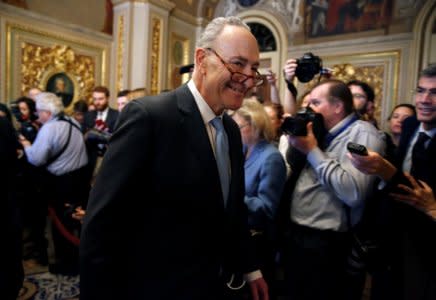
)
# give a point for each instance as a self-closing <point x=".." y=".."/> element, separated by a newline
<point x="222" y="156"/>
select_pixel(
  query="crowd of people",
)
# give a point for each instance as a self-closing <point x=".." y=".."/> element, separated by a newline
<point x="206" y="192"/>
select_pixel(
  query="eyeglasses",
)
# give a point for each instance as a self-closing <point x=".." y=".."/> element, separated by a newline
<point x="421" y="92"/>
<point x="238" y="76"/>
<point x="359" y="96"/>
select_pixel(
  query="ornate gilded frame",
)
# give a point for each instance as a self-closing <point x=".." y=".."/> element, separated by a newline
<point x="34" y="55"/>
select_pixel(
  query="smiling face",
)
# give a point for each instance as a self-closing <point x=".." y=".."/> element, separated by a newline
<point x="426" y="102"/>
<point x="235" y="49"/>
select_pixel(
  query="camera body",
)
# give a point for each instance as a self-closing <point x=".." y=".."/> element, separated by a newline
<point x="297" y="125"/>
<point x="308" y="66"/>
<point x="27" y="128"/>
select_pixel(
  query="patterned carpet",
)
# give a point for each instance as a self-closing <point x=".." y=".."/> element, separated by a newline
<point x="39" y="284"/>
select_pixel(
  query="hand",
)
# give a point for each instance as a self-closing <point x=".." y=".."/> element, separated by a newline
<point x="420" y="196"/>
<point x="23" y="141"/>
<point x="373" y="164"/>
<point x="289" y="69"/>
<point x="304" y="144"/>
<point x="79" y="214"/>
<point x="259" y="289"/>
<point x="271" y="77"/>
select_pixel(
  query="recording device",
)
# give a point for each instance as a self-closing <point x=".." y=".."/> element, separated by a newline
<point x="27" y="128"/>
<point x="308" y="66"/>
<point x="297" y="125"/>
<point x="357" y="149"/>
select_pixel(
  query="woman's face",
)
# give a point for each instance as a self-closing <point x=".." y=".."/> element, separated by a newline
<point x="397" y="118"/>
<point x="24" y="109"/>
<point x="247" y="130"/>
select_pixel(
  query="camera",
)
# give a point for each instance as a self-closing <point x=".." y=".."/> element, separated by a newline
<point x="298" y="125"/>
<point x="308" y="66"/>
<point x="27" y="128"/>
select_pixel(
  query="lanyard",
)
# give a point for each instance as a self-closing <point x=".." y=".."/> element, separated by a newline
<point x="330" y="137"/>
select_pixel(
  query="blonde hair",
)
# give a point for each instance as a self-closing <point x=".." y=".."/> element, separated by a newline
<point x="254" y="113"/>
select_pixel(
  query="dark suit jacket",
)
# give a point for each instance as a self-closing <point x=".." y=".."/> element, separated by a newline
<point x="111" y="119"/>
<point x="156" y="212"/>
<point x="11" y="269"/>
<point x="414" y="232"/>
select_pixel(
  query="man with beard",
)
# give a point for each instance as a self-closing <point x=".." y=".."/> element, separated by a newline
<point x="98" y="124"/>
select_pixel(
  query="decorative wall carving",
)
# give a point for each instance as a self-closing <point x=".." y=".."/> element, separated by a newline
<point x="40" y="63"/>
<point x="120" y="54"/>
<point x="155" y="54"/>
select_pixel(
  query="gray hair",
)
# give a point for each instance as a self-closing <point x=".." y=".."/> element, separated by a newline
<point x="214" y="28"/>
<point x="49" y="102"/>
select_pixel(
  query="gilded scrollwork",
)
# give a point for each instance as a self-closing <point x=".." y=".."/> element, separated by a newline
<point x="155" y="55"/>
<point x="120" y="53"/>
<point x="39" y="63"/>
<point x="373" y="75"/>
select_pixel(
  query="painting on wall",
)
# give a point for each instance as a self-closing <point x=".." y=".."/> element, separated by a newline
<point x="332" y="17"/>
<point x="61" y="85"/>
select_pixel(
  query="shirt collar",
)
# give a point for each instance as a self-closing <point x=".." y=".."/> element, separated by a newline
<point x="431" y="133"/>
<point x="341" y="123"/>
<point x="206" y="112"/>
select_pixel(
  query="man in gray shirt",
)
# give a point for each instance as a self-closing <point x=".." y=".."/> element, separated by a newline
<point x="329" y="196"/>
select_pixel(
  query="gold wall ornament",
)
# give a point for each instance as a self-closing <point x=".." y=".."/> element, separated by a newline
<point x="120" y="54"/>
<point x="372" y="75"/>
<point x="40" y="64"/>
<point x="155" y="54"/>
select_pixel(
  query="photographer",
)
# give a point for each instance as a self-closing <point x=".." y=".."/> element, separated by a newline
<point x="328" y="197"/>
<point x="24" y="111"/>
<point x="60" y="150"/>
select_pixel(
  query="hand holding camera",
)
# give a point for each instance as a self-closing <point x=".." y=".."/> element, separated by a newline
<point x="305" y="143"/>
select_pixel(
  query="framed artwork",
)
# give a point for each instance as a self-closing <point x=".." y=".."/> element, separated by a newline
<point x="331" y="17"/>
<point x="61" y="85"/>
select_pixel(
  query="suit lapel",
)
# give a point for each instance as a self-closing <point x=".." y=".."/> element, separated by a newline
<point x="192" y="126"/>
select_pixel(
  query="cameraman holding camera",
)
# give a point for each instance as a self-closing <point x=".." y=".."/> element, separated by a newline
<point x="59" y="150"/>
<point x="329" y="195"/>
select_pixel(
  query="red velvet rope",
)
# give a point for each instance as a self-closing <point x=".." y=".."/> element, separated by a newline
<point x="68" y="235"/>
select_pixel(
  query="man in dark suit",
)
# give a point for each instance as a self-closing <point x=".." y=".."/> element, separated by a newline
<point x="11" y="270"/>
<point x="159" y="224"/>
<point x="99" y="124"/>
<point x="414" y="212"/>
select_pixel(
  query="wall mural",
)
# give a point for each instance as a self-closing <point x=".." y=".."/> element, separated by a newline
<point x="330" y="17"/>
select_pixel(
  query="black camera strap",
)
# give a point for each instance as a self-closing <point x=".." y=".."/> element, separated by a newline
<point x="56" y="156"/>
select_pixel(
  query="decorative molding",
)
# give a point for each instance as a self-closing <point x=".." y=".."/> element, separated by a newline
<point x="156" y="40"/>
<point x="34" y="55"/>
<point x="40" y="63"/>
<point x="165" y="4"/>
<point x="183" y="16"/>
<point x="178" y="57"/>
<point x="120" y="54"/>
